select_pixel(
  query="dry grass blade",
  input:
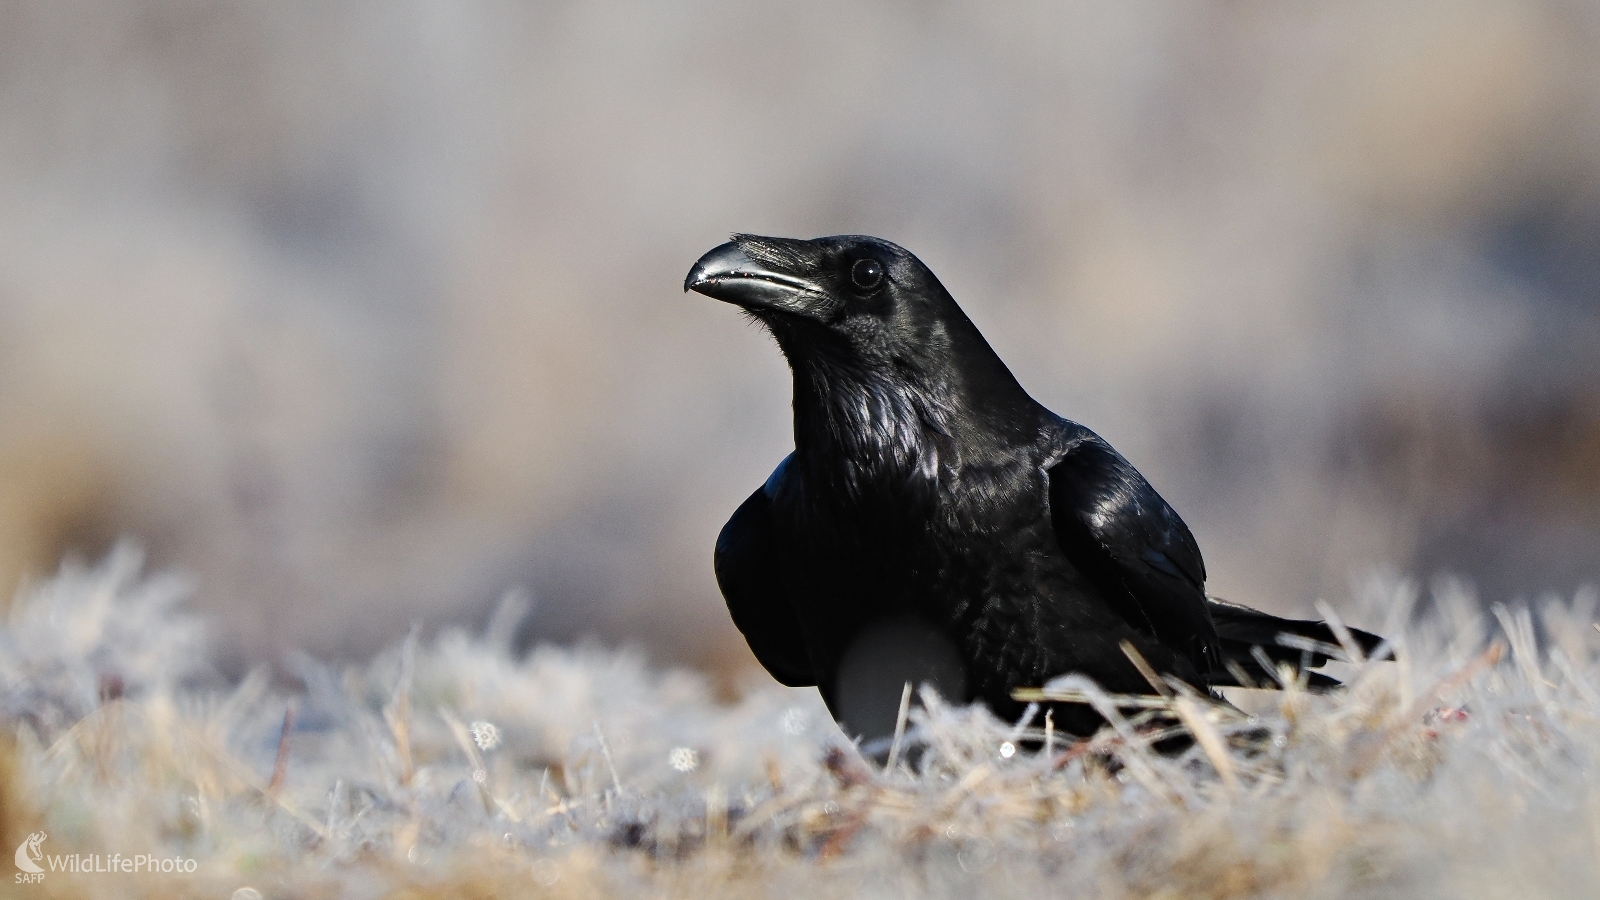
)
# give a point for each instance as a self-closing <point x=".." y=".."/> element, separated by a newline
<point x="398" y="713"/>
<point x="1157" y="684"/>
<point x="242" y="773"/>
<point x="1352" y="650"/>
<point x="1193" y="717"/>
<point x="1076" y="695"/>
<point x="899" y="729"/>
<point x="280" y="766"/>
<point x="605" y="752"/>
<point x="1311" y="645"/>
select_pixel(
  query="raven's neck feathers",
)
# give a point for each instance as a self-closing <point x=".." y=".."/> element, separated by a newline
<point x="884" y="428"/>
<point x="858" y="430"/>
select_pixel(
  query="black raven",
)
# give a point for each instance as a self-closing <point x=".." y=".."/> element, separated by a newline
<point x="935" y="524"/>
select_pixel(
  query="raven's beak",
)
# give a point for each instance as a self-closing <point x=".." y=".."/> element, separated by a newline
<point x="727" y="273"/>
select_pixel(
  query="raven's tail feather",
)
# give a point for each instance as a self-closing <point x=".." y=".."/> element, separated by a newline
<point x="1248" y="636"/>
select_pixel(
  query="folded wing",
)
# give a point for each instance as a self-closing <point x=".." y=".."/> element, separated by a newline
<point x="748" y="574"/>
<point x="1125" y="539"/>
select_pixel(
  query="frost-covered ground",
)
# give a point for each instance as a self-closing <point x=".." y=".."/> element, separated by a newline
<point x="449" y="767"/>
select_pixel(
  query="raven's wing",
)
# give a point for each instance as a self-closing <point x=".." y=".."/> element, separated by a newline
<point x="748" y="574"/>
<point x="1132" y="546"/>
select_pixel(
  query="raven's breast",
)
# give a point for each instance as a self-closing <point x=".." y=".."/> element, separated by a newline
<point x="926" y="586"/>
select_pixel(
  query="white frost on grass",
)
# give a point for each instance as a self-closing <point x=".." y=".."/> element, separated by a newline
<point x="91" y="633"/>
<point x="450" y="767"/>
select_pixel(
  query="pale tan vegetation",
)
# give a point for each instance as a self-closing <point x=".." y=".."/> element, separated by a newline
<point x="447" y="767"/>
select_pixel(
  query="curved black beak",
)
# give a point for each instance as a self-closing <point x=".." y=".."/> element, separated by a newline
<point x="729" y="274"/>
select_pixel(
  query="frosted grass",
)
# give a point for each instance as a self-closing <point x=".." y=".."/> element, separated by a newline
<point x="450" y="767"/>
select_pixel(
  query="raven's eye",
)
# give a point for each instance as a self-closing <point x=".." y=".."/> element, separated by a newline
<point x="866" y="273"/>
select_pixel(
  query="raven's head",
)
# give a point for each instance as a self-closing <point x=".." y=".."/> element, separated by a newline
<point x="856" y="301"/>
<point x="880" y="350"/>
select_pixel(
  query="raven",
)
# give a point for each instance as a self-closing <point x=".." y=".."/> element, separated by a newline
<point x="935" y="524"/>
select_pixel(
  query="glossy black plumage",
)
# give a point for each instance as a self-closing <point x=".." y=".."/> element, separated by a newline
<point x="935" y="524"/>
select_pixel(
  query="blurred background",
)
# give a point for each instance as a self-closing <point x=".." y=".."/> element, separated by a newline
<point x="367" y="312"/>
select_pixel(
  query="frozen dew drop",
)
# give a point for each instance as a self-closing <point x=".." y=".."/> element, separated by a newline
<point x="684" y="759"/>
<point x="486" y="735"/>
<point x="1008" y="750"/>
